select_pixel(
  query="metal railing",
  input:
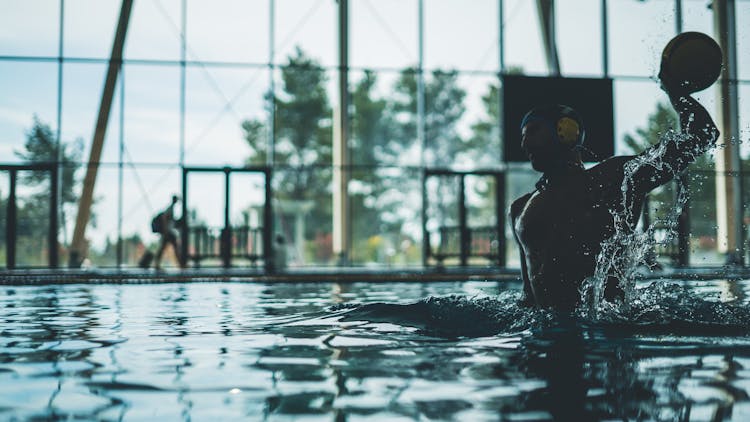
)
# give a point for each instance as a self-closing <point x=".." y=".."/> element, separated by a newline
<point x="460" y="240"/>
<point x="240" y="242"/>
<point x="11" y="223"/>
<point x="480" y="242"/>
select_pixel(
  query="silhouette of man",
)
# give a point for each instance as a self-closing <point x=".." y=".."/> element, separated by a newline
<point x="165" y="224"/>
<point x="559" y="227"/>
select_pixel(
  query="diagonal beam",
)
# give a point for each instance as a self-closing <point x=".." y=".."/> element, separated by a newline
<point x="546" y="11"/>
<point x="79" y="248"/>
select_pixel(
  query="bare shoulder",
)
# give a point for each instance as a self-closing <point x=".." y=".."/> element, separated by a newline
<point x="611" y="169"/>
<point x="611" y="164"/>
<point x="517" y="206"/>
<point x="606" y="178"/>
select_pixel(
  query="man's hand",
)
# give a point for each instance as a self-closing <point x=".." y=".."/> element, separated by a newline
<point x="673" y="88"/>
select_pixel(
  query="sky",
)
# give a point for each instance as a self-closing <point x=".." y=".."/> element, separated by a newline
<point x="458" y="34"/>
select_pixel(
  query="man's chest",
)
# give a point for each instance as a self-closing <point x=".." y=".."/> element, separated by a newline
<point x="534" y="223"/>
<point x="561" y="216"/>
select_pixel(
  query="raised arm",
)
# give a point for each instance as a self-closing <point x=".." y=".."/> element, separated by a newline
<point x="662" y="162"/>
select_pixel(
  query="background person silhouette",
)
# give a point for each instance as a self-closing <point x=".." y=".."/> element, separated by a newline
<point x="165" y="225"/>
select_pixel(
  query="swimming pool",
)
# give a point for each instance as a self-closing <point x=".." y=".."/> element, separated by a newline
<point x="368" y="351"/>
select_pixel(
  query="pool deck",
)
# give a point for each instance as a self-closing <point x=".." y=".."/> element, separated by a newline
<point x="292" y="275"/>
<point x="319" y="274"/>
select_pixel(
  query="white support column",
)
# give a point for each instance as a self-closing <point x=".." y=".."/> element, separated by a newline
<point x="728" y="187"/>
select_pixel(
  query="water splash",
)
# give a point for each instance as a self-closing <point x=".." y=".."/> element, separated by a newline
<point x="627" y="250"/>
<point x="661" y="307"/>
<point x="665" y="306"/>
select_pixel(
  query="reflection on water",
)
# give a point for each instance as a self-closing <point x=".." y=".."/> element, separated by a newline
<point x="461" y="351"/>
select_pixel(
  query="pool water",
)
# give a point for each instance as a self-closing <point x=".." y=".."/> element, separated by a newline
<point x="369" y="351"/>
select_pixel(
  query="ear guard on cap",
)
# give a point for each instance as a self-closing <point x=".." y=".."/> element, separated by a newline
<point x="562" y="120"/>
<point x="568" y="131"/>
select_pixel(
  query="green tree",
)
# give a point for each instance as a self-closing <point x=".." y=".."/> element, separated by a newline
<point x="33" y="210"/>
<point x="41" y="147"/>
<point x="371" y="130"/>
<point x="443" y="109"/>
<point x="443" y="146"/>
<point x="303" y="138"/>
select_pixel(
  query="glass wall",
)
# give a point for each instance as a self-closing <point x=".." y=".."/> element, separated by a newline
<point x="29" y="95"/>
<point x="236" y="82"/>
<point x="638" y="31"/>
<point x="579" y="37"/>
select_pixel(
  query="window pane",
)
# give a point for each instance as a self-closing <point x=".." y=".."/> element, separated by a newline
<point x="303" y="113"/>
<point x="480" y="124"/>
<point x="230" y="30"/>
<point x="311" y="26"/>
<point x="146" y="191"/>
<point x="29" y="91"/>
<point x="82" y="91"/>
<point x="383" y="33"/>
<point x="634" y="101"/>
<point x="744" y="123"/>
<point x="524" y="52"/>
<point x="638" y="32"/>
<point x="152" y="113"/>
<point x="698" y="16"/>
<point x="472" y="45"/>
<point x="703" y="225"/>
<point x="743" y="38"/>
<point x="87" y="37"/>
<point x="386" y="217"/>
<point x="457" y="117"/>
<point x="101" y="233"/>
<point x="374" y="126"/>
<point x="443" y="218"/>
<point x="32" y="227"/>
<point x="218" y="102"/>
<point x="205" y="201"/>
<point x="29" y="28"/>
<point x="154" y="30"/>
<point x="481" y="219"/>
<point x="246" y="199"/>
<point x="369" y="246"/>
<point x="302" y="214"/>
<point x="384" y="116"/>
<point x="579" y="36"/>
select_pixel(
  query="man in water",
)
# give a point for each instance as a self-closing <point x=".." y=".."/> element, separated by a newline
<point x="560" y="226"/>
<point x="165" y="225"/>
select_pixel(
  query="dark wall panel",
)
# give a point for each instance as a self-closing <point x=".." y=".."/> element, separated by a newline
<point x="592" y="98"/>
